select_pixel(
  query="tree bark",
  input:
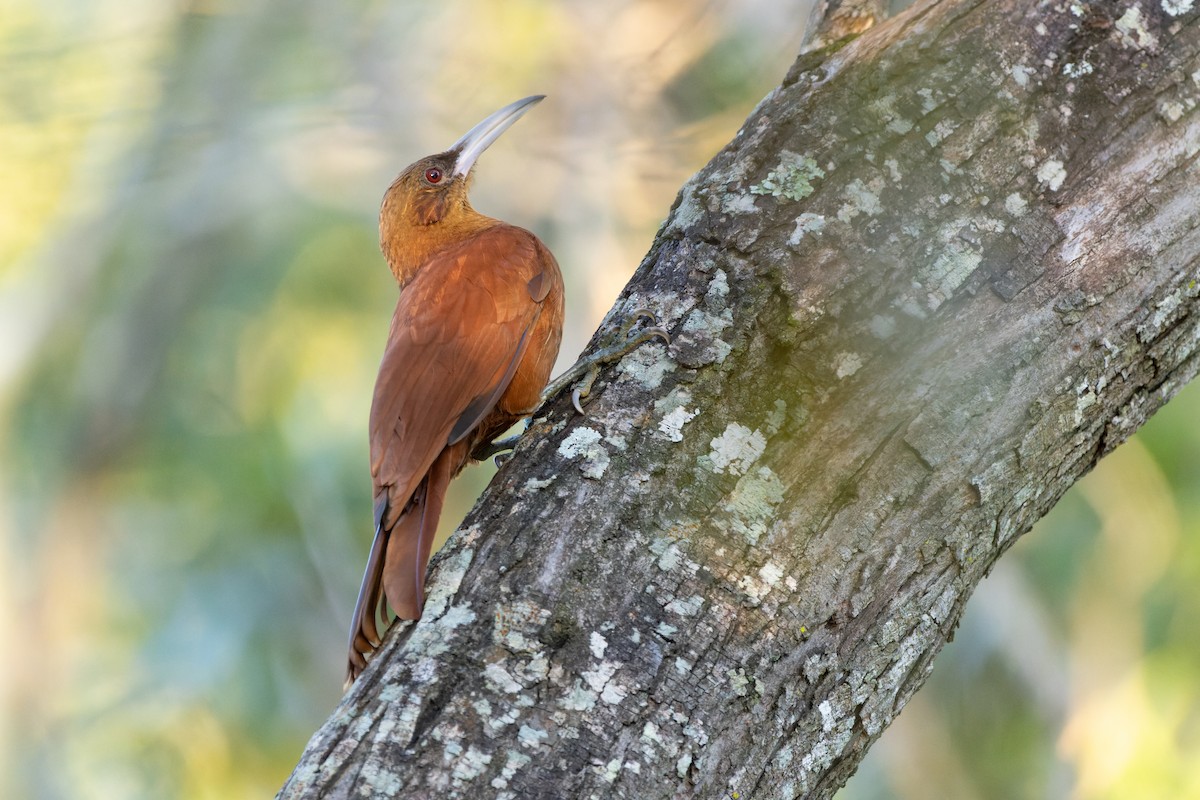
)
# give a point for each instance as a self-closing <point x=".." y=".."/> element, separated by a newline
<point x="938" y="274"/>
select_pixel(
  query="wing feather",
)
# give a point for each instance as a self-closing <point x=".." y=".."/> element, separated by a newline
<point x="458" y="333"/>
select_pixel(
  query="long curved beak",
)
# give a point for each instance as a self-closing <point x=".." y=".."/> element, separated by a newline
<point x="476" y="140"/>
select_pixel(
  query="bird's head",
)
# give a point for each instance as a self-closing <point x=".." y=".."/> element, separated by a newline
<point x="428" y="201"/>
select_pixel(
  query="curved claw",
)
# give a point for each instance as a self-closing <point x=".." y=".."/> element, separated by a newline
<point x="656" y="331"/>
<point x="576" y="394"/>
<point x="634" y="316"/>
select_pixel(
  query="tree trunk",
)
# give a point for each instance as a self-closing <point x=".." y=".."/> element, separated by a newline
<point x="938" y="274"/>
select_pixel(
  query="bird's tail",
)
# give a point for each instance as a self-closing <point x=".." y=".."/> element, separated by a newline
<point x="396" y="565"/>
<point x="364" y="635"/>
<point x="411" y="541"/>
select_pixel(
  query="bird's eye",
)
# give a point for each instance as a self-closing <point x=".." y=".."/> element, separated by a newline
<point x="433" y="175"/>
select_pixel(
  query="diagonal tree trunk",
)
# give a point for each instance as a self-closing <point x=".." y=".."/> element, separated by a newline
<point x="938" y="274"/>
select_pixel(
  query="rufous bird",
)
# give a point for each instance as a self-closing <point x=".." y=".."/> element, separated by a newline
<point x="473" y="339"/>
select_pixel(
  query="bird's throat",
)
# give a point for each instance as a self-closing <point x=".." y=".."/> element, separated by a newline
<point x="407" y="246"/>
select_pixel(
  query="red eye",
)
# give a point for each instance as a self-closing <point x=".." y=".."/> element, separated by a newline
<point x="433" y="175"/>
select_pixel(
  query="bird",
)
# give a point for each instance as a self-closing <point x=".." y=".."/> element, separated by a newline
<point x="472" y="342"/>
<point x="474" y="336"/>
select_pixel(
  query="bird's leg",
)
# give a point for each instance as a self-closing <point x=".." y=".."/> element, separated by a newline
<point x="500" y="448"/>
<point x="589" y="369"/>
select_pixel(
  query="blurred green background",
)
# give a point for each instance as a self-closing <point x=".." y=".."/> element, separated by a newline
<point x="192" y="309"/>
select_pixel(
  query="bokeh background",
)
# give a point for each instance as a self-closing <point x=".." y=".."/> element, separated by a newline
<point x="192" y="309"/>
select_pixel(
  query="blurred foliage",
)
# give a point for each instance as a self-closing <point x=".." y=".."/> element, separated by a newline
<point x="192" y="308"/>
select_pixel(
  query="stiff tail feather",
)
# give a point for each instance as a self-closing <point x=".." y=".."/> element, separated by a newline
<point x="412" y="540"/>
<point x="396" y="565"/>
<point x="364" y="635"/>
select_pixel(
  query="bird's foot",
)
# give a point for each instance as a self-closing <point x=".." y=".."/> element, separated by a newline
<point x="500" y="448"/>
<point x="585" y="372"/>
